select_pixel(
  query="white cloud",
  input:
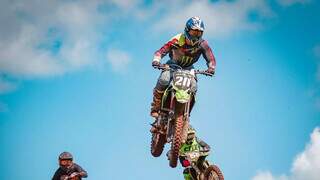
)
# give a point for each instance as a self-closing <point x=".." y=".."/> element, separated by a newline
<point x="221" y="18"/>
<point x="47" y="38"/>
<point x="19" y="57"/>
<point x="306" y="165"/>
<point x="28" y="41"/>
<point x="118" y="59"/>
<point x="26" y="46"/>
<point x="292" y="2"/>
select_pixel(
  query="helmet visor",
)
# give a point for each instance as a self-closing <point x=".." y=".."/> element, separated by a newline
<point x="65" y="162"/>
<point x="195" y="33"/>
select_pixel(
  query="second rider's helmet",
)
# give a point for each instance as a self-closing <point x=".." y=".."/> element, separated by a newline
<point x="191" y="135"/>
<point x="65" y="156"/>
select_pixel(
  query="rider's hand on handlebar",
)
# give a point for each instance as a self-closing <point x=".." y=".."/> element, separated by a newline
<point x="210" y="70"/>
<point x="155" y="64"/>
<point x="204" y="149"/>
<point x="165" y="66"/>
<point x="74" y="175"/>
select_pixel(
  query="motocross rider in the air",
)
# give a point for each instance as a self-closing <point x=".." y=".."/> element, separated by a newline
<point x="184" y="50"/>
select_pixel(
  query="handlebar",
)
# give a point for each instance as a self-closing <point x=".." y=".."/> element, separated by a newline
<point x="167" y="67"/>
<point x="203" y="72"/>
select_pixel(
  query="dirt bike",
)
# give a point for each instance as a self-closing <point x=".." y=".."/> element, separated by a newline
<point x="203" y="171"/>
<point x="173" y="121"/>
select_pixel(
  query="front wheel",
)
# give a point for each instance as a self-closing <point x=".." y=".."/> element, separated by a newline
<point x="213" y="172"/>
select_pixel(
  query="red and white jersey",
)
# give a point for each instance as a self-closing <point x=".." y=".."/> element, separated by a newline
<point x="186" y="55"/>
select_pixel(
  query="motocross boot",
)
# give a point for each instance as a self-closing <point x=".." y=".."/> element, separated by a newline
<point x="156" y="104"/>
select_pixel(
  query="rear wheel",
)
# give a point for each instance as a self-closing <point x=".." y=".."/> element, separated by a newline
<point x="177" y="139"/>
<point x="213" y="172"/>
<point x="157" y="144"/>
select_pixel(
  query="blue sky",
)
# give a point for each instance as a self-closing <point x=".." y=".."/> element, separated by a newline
<point x="77" y="76"/>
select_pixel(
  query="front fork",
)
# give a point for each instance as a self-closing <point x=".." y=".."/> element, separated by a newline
<point x="171" y="114"/>
<point x="194" y="172"/>
<point x="198" y="171"/>
<point x="195" y="167"/>
<point x="170" y="123"/>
